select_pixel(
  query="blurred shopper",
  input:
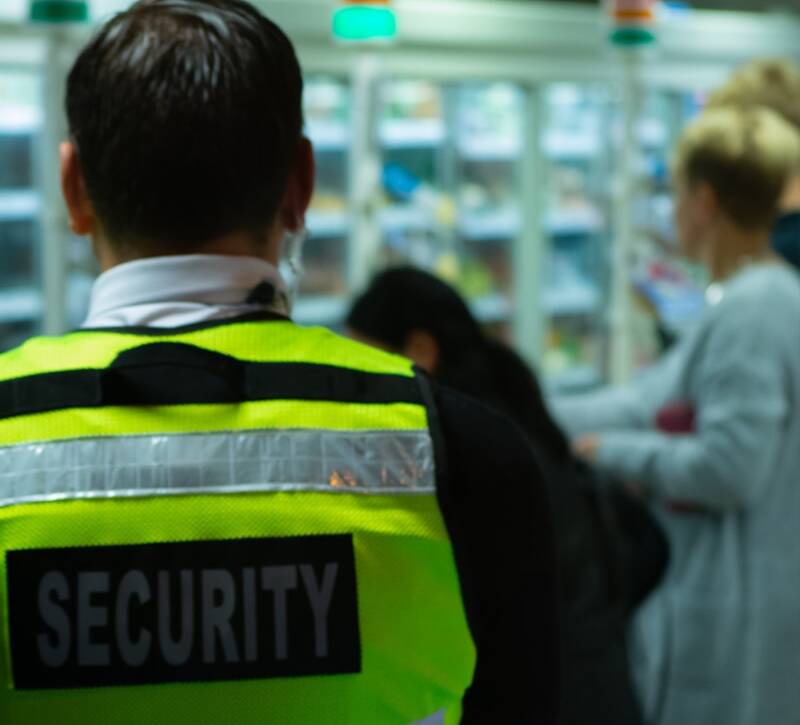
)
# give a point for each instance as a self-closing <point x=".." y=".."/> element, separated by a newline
<point x="413" y="313"/>
<point x="208" y="514"/>
<point x="711" y="436"/>
<point x="775" y="84"/>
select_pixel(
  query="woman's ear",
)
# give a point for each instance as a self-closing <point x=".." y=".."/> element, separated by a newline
<point x="706" y="200"/>
<point x="422" y="348"/>
<point x="73" y="186"/>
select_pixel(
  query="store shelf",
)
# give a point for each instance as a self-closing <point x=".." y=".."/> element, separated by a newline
<point x="19" y="304"/>
<point x="573" y="222"/>
<point x="394" y="219"/>
<point x="490" y="148"/>
<point x="652" y="133"/>
<point x="322" y="310"/>
<point x="565" y="146"/>
<point x="328" y="135"/>
<point x="412" y="133"/>
<point x="328" y="224"/>
<point x="492" y="308"/>
<point x="19" y="204"/>
<point x="572" y="299"/>
<point x="487" y="225"/>
<point x="579" y="377"/>
<point x="18" y="120"/>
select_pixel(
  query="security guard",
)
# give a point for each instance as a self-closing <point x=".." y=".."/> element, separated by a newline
<point x="207" y="513"/>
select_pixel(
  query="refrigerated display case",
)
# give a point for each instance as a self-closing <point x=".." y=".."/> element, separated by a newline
<point x="489" y="150"/>
<point x="417" y="208"/>
<point x="485" y="154"/>
<point x="327" y="106"/>
<point x="20" y="202"/>
<point x="450" y="203"/>
<point x="578" y="168"/>
<point x="669" y="291"/>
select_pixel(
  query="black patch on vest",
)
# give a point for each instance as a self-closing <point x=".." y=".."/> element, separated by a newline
<point x="184" y="612"/>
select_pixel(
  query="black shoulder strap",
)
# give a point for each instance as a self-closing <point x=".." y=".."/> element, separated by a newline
<point x="427" y="392"/>
<point x="168" y="373"/>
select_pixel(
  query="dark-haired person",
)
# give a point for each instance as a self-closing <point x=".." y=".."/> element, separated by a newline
<point x="208" y="514"/>
<point x="711" y="436"/>
<point x="411" y="312"/>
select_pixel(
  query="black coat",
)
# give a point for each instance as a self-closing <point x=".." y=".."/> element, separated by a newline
<point x="611" y="554"/>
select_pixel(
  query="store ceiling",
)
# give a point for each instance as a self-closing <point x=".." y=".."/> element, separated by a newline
<point x="751" y="5"/>
<point x="747" y="5"/>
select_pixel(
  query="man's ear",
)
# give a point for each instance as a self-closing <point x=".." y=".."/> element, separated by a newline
<point x="300" y="187"/>
<point x="73" y="187"/>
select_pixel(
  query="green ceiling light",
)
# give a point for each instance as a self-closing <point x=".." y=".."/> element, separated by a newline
<point x="360" y="22"/>
<point x="59" y="11"/>
<point x="627" y="37"/>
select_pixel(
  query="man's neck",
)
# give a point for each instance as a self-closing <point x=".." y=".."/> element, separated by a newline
<point x="240" y="244"/>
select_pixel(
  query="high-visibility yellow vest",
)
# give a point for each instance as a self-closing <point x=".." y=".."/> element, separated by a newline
<point x="234" y="523"/>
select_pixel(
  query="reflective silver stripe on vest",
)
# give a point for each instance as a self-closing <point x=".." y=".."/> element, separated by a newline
<point x="372" y="462"/>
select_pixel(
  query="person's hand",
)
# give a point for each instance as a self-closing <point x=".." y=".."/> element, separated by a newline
<point x="587" y="448"/>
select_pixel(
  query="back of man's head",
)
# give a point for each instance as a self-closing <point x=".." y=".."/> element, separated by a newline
<point x="187" y="116"/>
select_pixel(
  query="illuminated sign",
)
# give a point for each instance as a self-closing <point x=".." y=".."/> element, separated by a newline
<point x="358" y="21"/>
<point x="59" y="11"/>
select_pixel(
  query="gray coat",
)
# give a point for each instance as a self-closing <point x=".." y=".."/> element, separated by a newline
<point x="719" y="643"/>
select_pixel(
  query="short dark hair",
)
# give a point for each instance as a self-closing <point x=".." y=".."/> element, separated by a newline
<point x="187" y="116"/>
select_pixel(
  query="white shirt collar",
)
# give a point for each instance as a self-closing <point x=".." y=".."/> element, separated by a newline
<point x="182" y="290"/>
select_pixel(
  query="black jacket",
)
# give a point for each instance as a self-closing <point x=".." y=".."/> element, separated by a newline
<point x="611" y="554"/>
<point x="500" y="494"/>
<point x="495" y="504"/>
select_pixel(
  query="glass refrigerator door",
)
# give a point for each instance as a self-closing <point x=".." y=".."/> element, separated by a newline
<point x="488" y="151"/>
<point x="418" y="212"/>
<point x="324" y="286"/>
<point x="668" y="290"/>
<point x="21" y="303"/>
<point x="577" y="167"/>
<point x="450" y="158"/>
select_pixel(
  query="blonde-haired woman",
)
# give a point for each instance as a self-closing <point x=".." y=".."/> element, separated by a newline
<point x="775" y="84"/>
<point x="712" y="436"/>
